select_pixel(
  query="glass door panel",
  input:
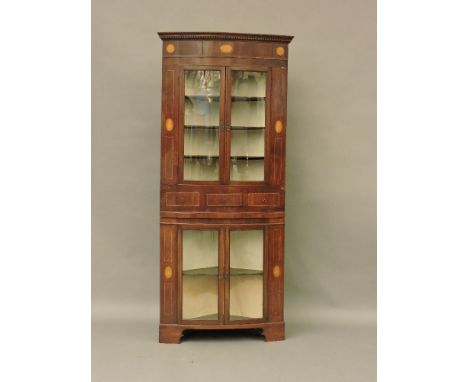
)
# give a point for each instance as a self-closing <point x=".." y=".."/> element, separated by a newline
<point x="248" y="96"/>
<point x="199" y="275"/>
<point x="201" y="124"/>
<point x="246" y="275"/>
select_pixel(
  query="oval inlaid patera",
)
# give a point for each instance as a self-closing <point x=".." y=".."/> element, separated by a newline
<point x="170" y="48"/>
<point x="169" y="124"/>
<point x="168" y="272"/>
<point x="276" y="271"/>
<point x="226" y="48"/>
<point x="278" y="126"/>
<point x="280" y="51"/>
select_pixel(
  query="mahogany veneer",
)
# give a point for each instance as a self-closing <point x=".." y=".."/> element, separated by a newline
<point x="223" y="205"/>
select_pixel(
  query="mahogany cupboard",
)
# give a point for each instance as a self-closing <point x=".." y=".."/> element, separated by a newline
<point x="223" y="126"/>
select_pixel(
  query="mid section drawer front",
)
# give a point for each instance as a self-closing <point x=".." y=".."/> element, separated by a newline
<point x="263" y="199"/>
<point x="182" y="199"/>
<point x="227" y="200"/>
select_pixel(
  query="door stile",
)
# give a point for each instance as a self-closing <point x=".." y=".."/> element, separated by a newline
<point x="221" y="273"/>
<point x="227" y="126"/>
<point x="222" y="128"/>
<point x="268" y="129"/>
<point x="181" y="121"/>
<point x="227" y="276"/>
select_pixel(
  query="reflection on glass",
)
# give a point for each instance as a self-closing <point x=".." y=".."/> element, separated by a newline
<point x="246" y="275"/>
<point x="201" y="125"/>
<point x="200" y="275"/>
<point x="248" y="125"/>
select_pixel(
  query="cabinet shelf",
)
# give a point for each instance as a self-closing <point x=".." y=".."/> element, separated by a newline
<point x="201" y="127"/>
<point x="217" y="127"/>
<point x="217" y="98"/>
<point x="213" y="271"/>
<point x="211" y="317"/>
<point x="247" y="99"/>
<point x="202" y="97"/>
<point x="213" y="157"/>
<point x="247" y="127"/>
<point x="247" y="158"/>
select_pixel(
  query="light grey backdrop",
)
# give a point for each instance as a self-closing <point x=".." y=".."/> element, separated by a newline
<point x="330" y="191"/>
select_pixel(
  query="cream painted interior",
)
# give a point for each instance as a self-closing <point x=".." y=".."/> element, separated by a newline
<point x="246" y="290"/>
<point x="246" y="249"/>
<point x="246" y="300"/>
<point x="200" y="287"/>
<point x="248" y="84"/>
<point x="247" y="170"/>
<point x="248" y="142"/>
<point x="201" y="112"/>
<point x="202" y="82"/>
<point x="248" y="113"/>
<point x="201" y="169"/>
<point x="201" y="142"/>
<point x="200" y="249"/>
<point x="199" y="297"/>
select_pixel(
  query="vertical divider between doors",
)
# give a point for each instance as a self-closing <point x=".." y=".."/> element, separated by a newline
<point x="221" y="271"/>
<point x="181" y="124"/>
<point x="227" y="279"/>
<point x="222" y="127"/>
<point x="227" y="124"/>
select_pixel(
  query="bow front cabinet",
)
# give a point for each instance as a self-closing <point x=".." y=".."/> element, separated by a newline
<point x="223" y="140"/>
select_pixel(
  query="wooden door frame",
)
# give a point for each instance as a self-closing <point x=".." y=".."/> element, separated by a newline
<point x="227" y="119"/>
<point x="181" y="119"/>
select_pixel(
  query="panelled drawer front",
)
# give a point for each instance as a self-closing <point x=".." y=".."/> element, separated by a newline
<point x="182" y="199"/>
<point x="227" y="200"/>
<point x="262" y="199"/>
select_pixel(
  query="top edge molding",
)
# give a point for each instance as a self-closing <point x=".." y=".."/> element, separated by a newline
<point x="224" y="36"/>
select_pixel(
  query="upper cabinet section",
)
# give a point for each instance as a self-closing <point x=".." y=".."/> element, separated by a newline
<point x="223" y="121"/>
<point x="239" y="45"/>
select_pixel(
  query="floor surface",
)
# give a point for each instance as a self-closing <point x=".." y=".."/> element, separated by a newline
<point x="127" y="350"/>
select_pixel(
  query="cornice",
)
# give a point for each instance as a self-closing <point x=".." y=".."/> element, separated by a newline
<point x="174" y="36"/>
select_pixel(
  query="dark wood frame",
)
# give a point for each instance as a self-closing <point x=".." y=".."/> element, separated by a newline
<point x="225" y="205"/>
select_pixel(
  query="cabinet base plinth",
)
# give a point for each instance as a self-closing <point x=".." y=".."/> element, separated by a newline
<point x="173" y="333"/>
<point x="170" y="334"/>
<point x="274" y="332"/>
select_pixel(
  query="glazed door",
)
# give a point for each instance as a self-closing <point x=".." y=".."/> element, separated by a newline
<point x="247" y="120"/>
<point x="203" y="124"/>
<point x="245" y="284"/>
<point x="222" y="275"/>
<point x="225" y="118"/>
<point x="202" y="276"/>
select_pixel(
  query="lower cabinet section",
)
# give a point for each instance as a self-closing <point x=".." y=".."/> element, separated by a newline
<point x="226" y="276"/>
